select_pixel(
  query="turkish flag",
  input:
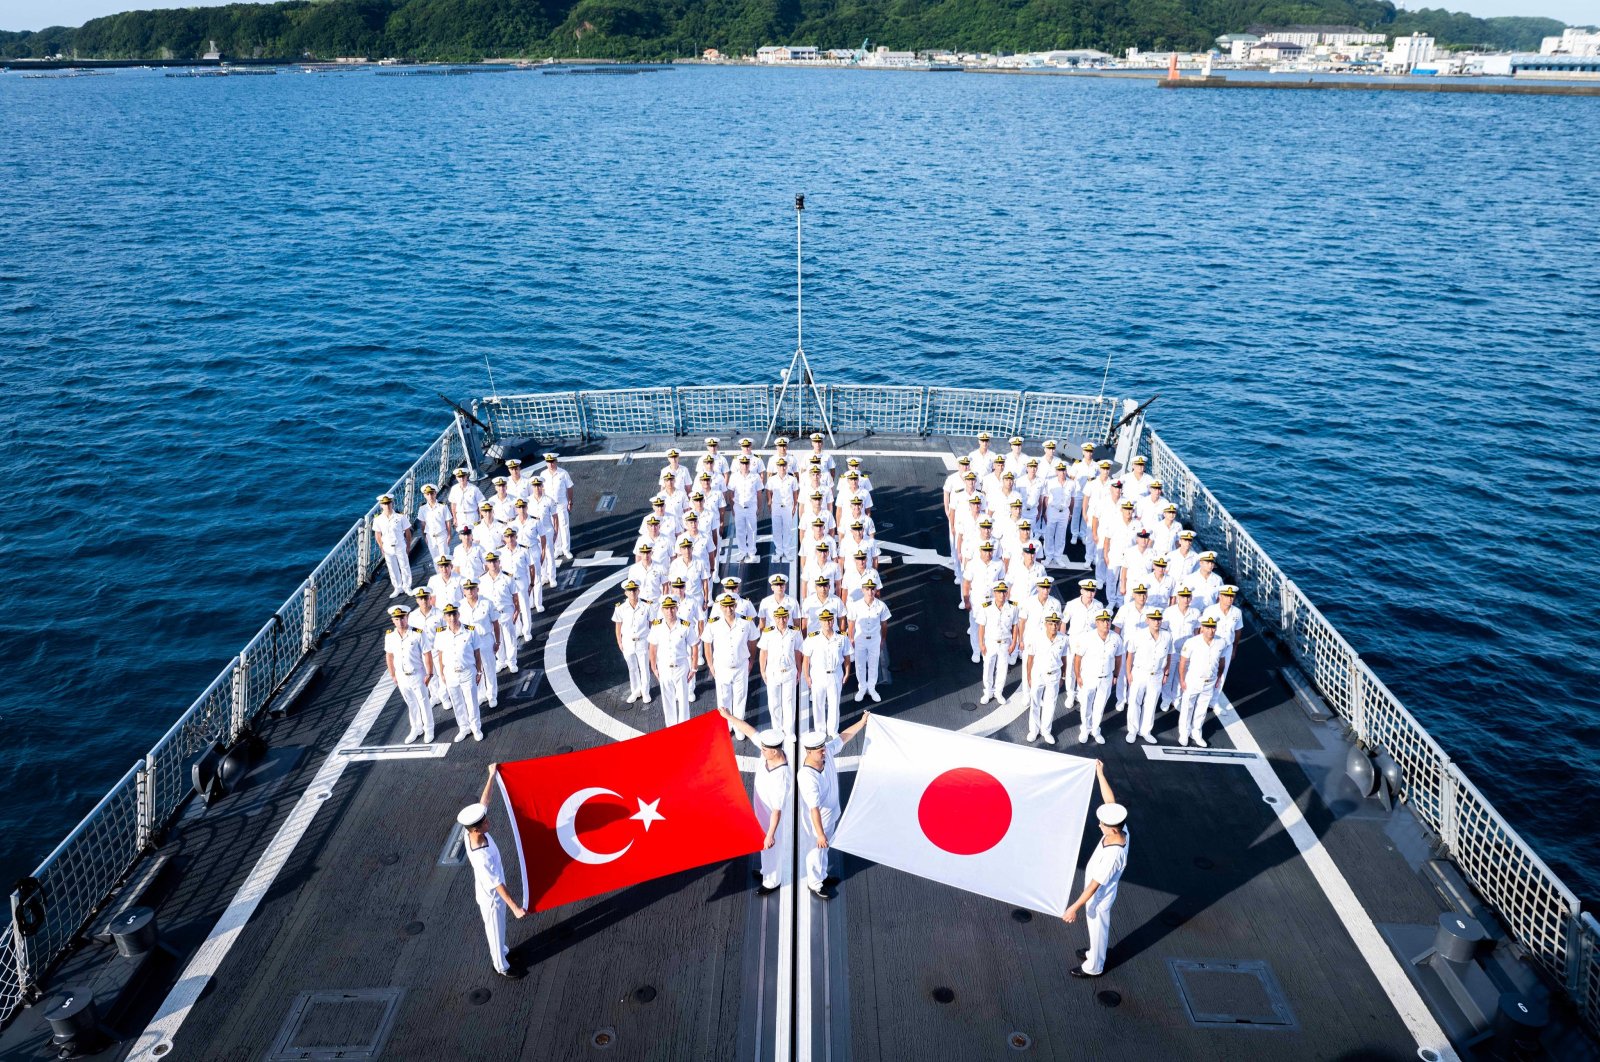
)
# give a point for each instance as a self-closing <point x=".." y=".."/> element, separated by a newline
<point x="994" y="818"/>
<point x="593" y="821"/>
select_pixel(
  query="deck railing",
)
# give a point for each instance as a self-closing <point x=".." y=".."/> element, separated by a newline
<point x="1541" y="913"/>
<point x="70" y="889"/>
<point x="67" y="894"/>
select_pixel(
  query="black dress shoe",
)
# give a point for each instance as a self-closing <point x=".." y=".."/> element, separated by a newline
<point x="830" y="881"/>
<point x="766" y="890"/>
<point x="515" y="973"/>
<point x="1082" y="953"/>
<point x="1077" y="971"/>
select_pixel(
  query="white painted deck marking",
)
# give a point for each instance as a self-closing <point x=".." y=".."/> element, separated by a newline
<point x="158" y="1039"/>
<point x="1196" y="755"/>
<point x="434" y="751"/>
<point x="1403" y="996"/>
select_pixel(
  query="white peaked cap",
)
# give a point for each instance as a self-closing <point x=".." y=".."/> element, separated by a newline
<point x="770" y="738"/>
<point x="1112" y="814"/>
<point x="472" y="814"/>
<point x="813" y="739"/>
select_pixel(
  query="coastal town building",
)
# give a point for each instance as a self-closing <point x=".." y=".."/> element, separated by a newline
<point x="789" y="53"/>
<point x="1409" y="52"/>
<point x="1575" y="40"/>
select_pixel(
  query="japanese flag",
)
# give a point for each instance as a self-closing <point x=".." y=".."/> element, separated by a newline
<point x="993" y="818"/>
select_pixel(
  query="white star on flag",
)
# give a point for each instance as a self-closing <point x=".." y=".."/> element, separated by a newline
<point x="648" y="813"/>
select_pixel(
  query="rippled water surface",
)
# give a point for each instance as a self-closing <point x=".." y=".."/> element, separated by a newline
<point x="225" y="306"/>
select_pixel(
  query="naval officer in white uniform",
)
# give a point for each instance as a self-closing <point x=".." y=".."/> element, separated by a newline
<point x="818" y="782"/>
<point x="456" y="657"/>
<point x="1101" y="876"/>
<point x="489" y="880"/>
<point x="392" y="531"/>
<point x="405" y="655"/>
<point x="774" y="783"/>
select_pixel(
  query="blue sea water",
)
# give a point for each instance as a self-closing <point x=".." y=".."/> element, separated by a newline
<point x="226" y="304"/>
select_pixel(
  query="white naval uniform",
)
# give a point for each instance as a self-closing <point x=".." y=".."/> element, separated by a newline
<point x="487" y="877"/>
<point x="728" y="653"/>
<point x="500" y="592"/>
<point x="674" y="647"/>
<point x="1206" y="588"/>
<point x="445" y="591"/>
<point x="781" y="492"/>
<point x="981" y="578"/>
<point x="1199" y="684"/>
<point x="557" y="483"/>
<point x="1129" y="618"/>
<point x="390" y="532"/>
<point x="528" y="539"/>
<point x="518" y="485"/>
<point x="635" y="635"/>
<point x="1147" y="660"/>
<point x="825" y="655"/>
<point x="482" y="618"/>
<point x="1182" y="626"/>
<point x="1105" y="866"/>
<point x="773" y="785"/>
<point x="780" y="675"/>
<point x="1100" y="657"/>
<point x="408" y="651"/>
<point x="435" y="521"/>
<point x="464" y="501"/>
<point x="746" y="489"/>
<point x="866" y="629"/>
<point x="1230" y="625"/>
<point x="820" y="790"/>
<point x="517" y="561"/>
<point x="425" y="624"/>
<point x="541" y="511"/>
<point x="999" y="623"/>
<point x="467" y="561"/>
<point x="1048" y="658"/>
<point x="1058" y="496"/>
<point x="455" y="657"/>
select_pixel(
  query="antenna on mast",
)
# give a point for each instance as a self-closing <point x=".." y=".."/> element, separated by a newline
<point x="805" y="380"/>
<point x="494" y="391"/>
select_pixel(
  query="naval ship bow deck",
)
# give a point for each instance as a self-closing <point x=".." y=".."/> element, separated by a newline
<point x="321" y="909"/>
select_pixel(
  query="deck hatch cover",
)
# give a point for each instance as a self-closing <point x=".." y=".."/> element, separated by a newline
<point x="1216" y="992"/>
<point x="337" y="1024"/>
<point x="606" y="504"/>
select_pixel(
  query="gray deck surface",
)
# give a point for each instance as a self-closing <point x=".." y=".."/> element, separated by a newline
<point x="363" y="903"/>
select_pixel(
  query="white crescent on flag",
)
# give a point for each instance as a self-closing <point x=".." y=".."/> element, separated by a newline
<point x="997" y="819"/>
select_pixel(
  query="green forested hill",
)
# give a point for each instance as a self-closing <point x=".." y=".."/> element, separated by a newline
<point x="466" y="29"/>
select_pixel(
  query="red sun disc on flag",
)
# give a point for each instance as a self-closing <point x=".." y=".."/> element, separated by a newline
<point x="965" y="811"/>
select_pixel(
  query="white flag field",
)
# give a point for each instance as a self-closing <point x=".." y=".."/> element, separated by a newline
<point x="997" y="819"/>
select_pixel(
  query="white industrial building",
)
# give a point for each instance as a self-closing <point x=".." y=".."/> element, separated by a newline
<point x="1409" y="52"/>
<point x="1575" y="41"/>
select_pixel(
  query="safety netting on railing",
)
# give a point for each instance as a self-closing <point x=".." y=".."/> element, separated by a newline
<point x="1071" y="420"/>
<point x="882" y="410"/>
<point x="1588" y="960"/>
<point x="75" y="880"/>
<point x="968" y="411"/>
<point x="1539" y="910"/>
<point x="548" y="416"/>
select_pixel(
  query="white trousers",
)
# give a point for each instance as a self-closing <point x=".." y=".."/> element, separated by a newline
<point x="781" y="696"/>
<point x="733" y="688"/>
<point x="547" y="543"/>
<point x="536" y="575"/>
<point x="438" y="546"/>
<point x="772" y="859"/>
<point x="1092" y="697"/>
<point x="525" y="607"/>
<point x="955" y="555"/>
<point x="1170" y="693"/>
<point x="493" y="910"/>
<point x="1097" y="917"/>
<point x="783" y="540"/>
<point x="638" y="662"/>
<point x="1055" y="534"/>
<point x="744" y="530"/>
<point x="817" y="859"/>
<point x="1042" y="702"/>
<point x="489" y="680"/>
<point x="565" y="543"/>
<point x="825" y="702"/>
<point x="418" y="711"/>
<point x="1192" y="712"/>
<point x="399" y="569"/>
<point x="674" y="693"/>
<point x="995" y="662"/>
<point x="507" y="656"/>
<point x="465" y="707"/>
<point x="1143" y="694"/>
<point x="867" y="650"/>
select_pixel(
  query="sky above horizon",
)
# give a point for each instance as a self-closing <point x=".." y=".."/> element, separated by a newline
<point x="37" y="14"/>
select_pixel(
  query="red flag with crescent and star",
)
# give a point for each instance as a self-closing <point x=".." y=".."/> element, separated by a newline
<point x="601" y="819"/>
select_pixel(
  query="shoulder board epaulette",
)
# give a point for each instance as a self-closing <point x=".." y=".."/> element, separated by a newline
<point x="438" y="630"/>
<point x="655" y="623"/>
<point x="683" y="623"/>
<point x="716" y="619"/>
<point x="765" y="629"/>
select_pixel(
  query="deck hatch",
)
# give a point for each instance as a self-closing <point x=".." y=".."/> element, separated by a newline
<point x="606" y="504"/>
<point x="337" y="1024"/>
<point x="1215" y="992"/>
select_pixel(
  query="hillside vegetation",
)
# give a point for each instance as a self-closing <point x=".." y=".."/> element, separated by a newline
<point x="470" y="29"/>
